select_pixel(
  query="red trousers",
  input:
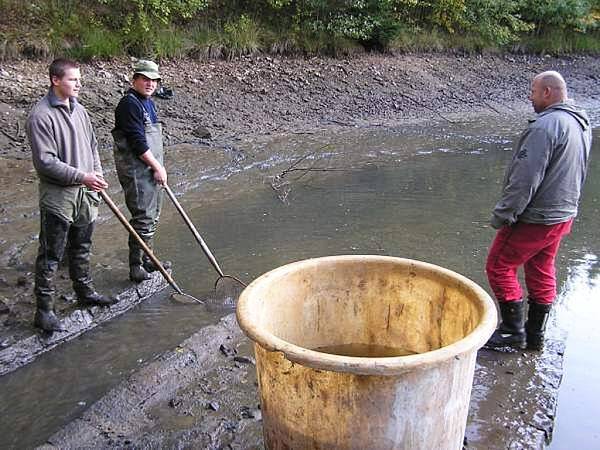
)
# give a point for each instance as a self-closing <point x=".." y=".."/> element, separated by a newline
<point x="533" y="246"/>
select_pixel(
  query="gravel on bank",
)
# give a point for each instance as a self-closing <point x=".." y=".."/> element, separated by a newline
<point x="261" y="95"/>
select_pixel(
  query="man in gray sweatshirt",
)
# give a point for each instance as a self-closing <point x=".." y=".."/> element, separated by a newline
<point x="65" y="156"/>
<point x="539" y="201"/>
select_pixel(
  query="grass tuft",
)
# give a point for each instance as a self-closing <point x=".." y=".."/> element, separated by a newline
<point x="242" y="37"/>
<point x="98" y="43"/>
<point x="207" y="44"/>
<point x="560" y="42"/>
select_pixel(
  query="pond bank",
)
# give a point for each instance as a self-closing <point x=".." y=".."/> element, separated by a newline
<point x="222" y="106"/>
<point x="448" y="88"/>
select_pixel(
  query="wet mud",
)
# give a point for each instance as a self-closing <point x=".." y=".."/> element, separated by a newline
<point x="202" y="394"/>
<point x="32" y="342"/>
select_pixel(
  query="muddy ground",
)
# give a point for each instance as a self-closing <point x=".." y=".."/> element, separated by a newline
<point x="221" y="108"/>
<point x="203" y="395"/>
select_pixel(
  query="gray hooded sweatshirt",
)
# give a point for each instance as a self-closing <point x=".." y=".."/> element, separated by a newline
<point x="543" y="181"/>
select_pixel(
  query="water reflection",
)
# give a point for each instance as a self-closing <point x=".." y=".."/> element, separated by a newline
<point x="577" y="317"/>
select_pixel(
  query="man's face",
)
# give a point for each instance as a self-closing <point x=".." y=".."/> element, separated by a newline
<point x="68" y="85"/>
<point x="144" y="85"/>
<point x="539" y="96"/>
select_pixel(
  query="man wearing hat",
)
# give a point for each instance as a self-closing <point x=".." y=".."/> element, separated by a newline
<point x="138" y="152"/>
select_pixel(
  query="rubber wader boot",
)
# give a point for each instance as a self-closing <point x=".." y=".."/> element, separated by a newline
<point x="80" y="242"/>
<point x="137" y="273"/>
<point x="45" y="318"/>
<point x="537" y="317"/>
<point x="52" y="240"/>
<point x="511" y="332"/>
<point x="148" y="265"/>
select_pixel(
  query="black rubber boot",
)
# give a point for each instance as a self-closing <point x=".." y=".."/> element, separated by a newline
<point x="511" y="332"/>
<point x="80" y="243"/>
<point x="93" y="298"/>
<point x="148" y="265"/>
<point x="53" y="239"/>
<point x="47" y="321"/>
<point x="537" y="317"/>
<point x="137" y="273"/>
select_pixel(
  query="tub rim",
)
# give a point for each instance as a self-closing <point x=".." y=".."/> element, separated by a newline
<point x="366" y="365"/>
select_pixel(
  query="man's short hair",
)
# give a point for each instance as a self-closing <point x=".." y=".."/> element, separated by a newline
<point x="552" y="79"/>
<point x="59" y="66"/>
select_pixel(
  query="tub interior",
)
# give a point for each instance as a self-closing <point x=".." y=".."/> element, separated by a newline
<point x="370" y="304"/>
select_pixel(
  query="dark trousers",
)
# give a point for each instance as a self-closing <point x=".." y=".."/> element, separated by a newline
<point x="56" y="236"/>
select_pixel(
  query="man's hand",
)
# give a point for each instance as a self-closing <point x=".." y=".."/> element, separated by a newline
<point x="160" y="174"/>
<point x="94" y="181"/>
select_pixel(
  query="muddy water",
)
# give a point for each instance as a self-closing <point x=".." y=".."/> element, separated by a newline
<point x="413" y="191"/>
<point x="364" y="350"/>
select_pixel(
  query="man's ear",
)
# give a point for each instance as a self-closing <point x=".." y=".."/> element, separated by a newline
<point x="55" y="80"/>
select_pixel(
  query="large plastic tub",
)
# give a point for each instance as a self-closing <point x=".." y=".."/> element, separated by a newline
<point x="368" y="307"/>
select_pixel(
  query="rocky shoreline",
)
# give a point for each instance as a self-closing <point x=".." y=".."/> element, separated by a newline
<point x="263" y="95"/>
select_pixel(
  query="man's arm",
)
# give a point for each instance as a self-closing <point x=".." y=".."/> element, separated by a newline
<point x="523" y="177"/>
<point x="94" y="146"/>
<point x="129" y="118"/>
<point x="160" y="174"/>
<point x="94" y="181"/>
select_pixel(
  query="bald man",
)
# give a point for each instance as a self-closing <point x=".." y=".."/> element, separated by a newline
<point x="539" y="201"/>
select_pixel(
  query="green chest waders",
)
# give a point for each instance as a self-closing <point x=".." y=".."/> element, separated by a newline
<point x="143" y="196"/>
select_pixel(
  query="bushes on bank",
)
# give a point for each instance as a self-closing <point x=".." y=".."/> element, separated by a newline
<point x="231" y="28"/>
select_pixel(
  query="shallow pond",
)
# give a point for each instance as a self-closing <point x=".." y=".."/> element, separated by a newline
<point x="421" y="192"/>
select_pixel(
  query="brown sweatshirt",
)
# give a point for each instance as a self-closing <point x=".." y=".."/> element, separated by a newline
<point x="63" y="143"/>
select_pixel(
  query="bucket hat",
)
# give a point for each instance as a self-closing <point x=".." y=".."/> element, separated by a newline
<point x="147" y="68"/>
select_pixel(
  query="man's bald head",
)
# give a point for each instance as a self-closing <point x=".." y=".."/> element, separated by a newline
<point x="547" y="89"/>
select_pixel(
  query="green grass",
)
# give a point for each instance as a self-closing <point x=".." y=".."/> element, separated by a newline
<point x="242" y="37"/>
<point x="158" y="43"/>
<point x="418" y="40"/>
<point x="86" y="39"/>
<point x="559" y="42"/>
<point x="9" y="47"/>
<point x="98" y="43"/>
<point x="207" y="43"/>
<point x="171" y="43"/>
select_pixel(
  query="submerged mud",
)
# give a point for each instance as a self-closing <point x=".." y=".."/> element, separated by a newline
<point x="202" y="394"/>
